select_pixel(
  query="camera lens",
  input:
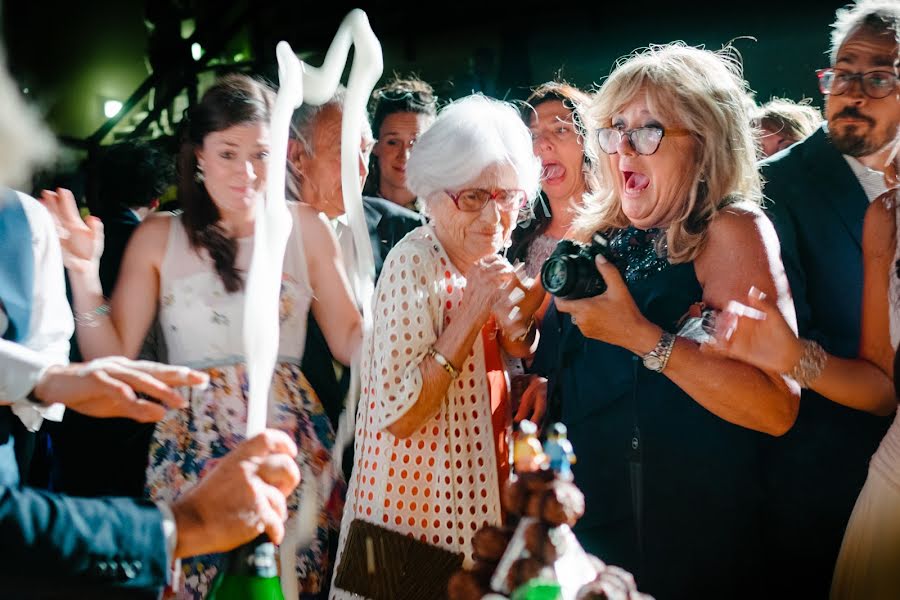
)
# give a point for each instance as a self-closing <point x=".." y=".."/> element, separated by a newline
<point x="555" y="275"/>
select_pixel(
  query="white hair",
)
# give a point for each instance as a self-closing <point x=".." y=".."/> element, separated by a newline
<point x="25" y="143"/>
<point x="882" y="16"/>
<point x="468" y="136"/>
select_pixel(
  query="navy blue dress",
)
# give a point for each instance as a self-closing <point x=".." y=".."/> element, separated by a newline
<point x="672" y="491"/>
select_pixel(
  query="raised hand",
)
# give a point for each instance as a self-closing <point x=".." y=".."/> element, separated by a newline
<point x="756" y="333"/>
<point x="242" y="496"/>
<point x="533" y="401"/>
<point x="486" y="281"/>
<point x="81" y="239"/>
<point x="515" y="310"/>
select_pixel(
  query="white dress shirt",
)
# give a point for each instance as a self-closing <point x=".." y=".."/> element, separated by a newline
<point x="872" y="181"/>
<point x="50" y="327"/>
<point x="341" y="226"/>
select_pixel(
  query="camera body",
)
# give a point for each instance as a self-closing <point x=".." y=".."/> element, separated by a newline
<point x="570" y="273"/>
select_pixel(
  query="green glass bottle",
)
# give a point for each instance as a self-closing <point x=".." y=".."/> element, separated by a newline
<point x="251" y="573"/>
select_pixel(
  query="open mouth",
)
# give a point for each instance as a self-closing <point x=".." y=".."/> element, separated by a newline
<point x="552" y="173"/>
<point x="635" y="182"/>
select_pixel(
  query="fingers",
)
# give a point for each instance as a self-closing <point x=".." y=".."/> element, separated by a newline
<point x="269" y="441"/>
<point x="534" y="401"/>
<point x="171" y="375"/>
<point x="143" y="411"/>
<point x="146" y="383"/>
<point x="742" y="310"/>
<point x="272" y="512"/>
<point x="65" y="204"/>
<point x="280" y="471"/>
<point x="96" y="226"/>
<point x="536" y="392"/>
<point x="525" y="405"/>
<point x="759" y="300"/>
<point x="610" y="273"/>
<point x="113" y="389"/>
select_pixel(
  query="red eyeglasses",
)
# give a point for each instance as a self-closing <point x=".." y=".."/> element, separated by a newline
<point x="475" y="199"/>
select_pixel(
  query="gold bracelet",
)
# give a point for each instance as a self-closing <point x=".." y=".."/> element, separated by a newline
<point x="521" y="338"/>
<point x="812" y="362"/>
<point x="442" y="360"/>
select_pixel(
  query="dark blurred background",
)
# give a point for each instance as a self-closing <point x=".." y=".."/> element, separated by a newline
<point x="77" y="60"/>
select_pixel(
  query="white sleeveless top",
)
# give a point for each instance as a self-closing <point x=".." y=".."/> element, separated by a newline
<point x="203" y="323"/>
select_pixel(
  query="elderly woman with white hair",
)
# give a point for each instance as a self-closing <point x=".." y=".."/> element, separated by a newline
<point x="431" y="437"/>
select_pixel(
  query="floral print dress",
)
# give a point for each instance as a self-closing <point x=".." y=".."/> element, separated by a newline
<point x="202" y="325"/>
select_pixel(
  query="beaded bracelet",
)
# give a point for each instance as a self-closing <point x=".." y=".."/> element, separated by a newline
<point x="812" y="362"/>
<point x="91" y="318"/>
<point x="442" y="360"/>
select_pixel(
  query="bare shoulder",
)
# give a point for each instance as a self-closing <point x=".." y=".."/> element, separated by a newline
<point x="739" y="228"/>
<point x="312" y="223"/>
<point x="154" y="230"/>
<point x="149" y="241"/>
<point x="741" y="250"/>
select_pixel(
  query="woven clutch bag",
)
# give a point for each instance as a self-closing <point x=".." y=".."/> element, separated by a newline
<point x="383" y="564"/>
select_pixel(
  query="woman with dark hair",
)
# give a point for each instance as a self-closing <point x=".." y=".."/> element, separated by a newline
<point x="401" y="111"/>
<point x="552" y="114"/>
<point x="192" y="267"/>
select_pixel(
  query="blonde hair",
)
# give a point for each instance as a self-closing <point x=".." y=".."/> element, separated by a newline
<point x="700" y="90"/>
<point x="793" y="120"/>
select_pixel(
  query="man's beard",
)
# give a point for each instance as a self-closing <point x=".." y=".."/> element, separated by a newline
<point x="854" y="144"/>
<point x="850" y="141"/>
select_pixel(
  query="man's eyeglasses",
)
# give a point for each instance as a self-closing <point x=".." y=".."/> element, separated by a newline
<point x="416" y="97"/>
<point x="644" y="140"/>
<point x="875" y="84"/>
<point x="475" y="199"/>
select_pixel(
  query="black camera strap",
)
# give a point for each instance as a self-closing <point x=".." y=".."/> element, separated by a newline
<point x="635" y="462"/>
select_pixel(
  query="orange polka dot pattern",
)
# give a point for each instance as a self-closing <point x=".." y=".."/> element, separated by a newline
<point x="440" y="484"/>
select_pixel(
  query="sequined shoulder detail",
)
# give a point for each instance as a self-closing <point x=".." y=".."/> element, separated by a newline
<point x="639" y="253"/>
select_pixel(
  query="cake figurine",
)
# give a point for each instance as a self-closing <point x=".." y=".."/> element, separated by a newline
<point x="559" y="451"/>
<point x="534" y="554"/>
<point x="528" y="454"/>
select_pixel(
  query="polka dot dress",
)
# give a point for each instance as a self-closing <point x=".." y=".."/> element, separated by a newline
<point x="440" y="484"/>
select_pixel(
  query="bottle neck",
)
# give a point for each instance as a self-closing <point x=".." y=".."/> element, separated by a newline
<point x="254" y="559"/>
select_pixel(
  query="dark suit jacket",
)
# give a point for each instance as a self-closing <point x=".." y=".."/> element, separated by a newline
<point x="117" y="230"/>
<point x="387" y="223"/>
<point x="816" y="470"/>
<point x="54" y="546"/>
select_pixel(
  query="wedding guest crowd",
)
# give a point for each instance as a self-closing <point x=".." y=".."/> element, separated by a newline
<point x="728" y="387"/>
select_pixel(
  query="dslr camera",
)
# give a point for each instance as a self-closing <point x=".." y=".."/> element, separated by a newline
<point x="570" y="272"/>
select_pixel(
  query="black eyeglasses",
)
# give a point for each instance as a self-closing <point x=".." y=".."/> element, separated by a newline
<point x="644" y="140"/>
<point x="875" y="84"/>
<point x="417" y="97"/>
<point x="475" y="199"/>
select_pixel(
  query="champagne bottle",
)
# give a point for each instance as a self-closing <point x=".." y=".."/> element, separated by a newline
<point x="251" y="573"/>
